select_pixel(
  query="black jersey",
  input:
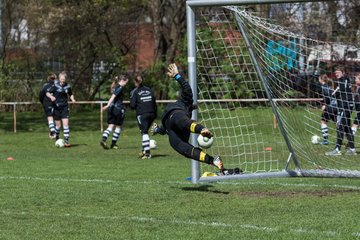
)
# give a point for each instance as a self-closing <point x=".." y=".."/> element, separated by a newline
<point x="327" y="93"/>
<point x="343" y="94"/>
<point x="118" y="91"/>
<point x="61" y="93"/>
<point x="357" y="98"/>
<point x="143" y="100"/>
<point x="42" y="94"/>
<point x="185" y="103"/>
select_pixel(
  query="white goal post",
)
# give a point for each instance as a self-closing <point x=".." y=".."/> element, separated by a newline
<point x="258" y="148"/>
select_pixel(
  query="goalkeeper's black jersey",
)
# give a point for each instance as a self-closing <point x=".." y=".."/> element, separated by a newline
<point x="143" y="100"/>
<point x="184" y="103"/>
<point x="343" y="94"/>
<point x="61" y="93"/>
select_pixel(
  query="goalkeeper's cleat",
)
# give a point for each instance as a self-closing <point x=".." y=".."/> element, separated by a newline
<point x="324" y="142"/>
<point x="104" y="145"/>
<point x="146" y="156"/>
<point x="114" y="146"/>
<point x="351" y="152"/>
<point x="218" y="163"/>
<point x="232" y="171"/>
<point x="206" y="133"/>
<point x="153" y="129"/>
<point x="335" y="152"/>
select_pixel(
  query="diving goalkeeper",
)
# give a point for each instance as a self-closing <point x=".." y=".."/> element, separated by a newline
<point x="177" y="124"/>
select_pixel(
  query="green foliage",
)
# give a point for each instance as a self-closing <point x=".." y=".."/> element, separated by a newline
<point x="220" y="75"/>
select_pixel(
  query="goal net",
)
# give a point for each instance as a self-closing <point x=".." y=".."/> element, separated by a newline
<point x="259" y="93"/>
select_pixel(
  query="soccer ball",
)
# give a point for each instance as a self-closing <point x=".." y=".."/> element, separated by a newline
<point x="60" y="143"/>
<point x="152" y="144"/>
<point x="315" y="139"/>
<point x="205" y="142"/>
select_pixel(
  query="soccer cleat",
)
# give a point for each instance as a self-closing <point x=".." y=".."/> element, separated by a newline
<point x="335" y="152"/>
<point x="351" y="152"/>
<point x="104" y="145"/>
<point x="114" y="146"/>
<point x="52" y="136"/>
<point x="141" y="155"/>
<point x="233" y="171"/>
<point x="324" y="142"/>
<point x="67" y="145"/>
<point x="154" y="129"/>
<point x="218" y="163"/>
<point x="146" y="156"/>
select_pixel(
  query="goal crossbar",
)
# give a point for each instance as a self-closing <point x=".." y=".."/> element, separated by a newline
<point x="208" y="3"/>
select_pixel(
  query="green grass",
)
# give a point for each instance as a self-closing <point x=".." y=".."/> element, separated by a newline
<point x="85" y="192"/>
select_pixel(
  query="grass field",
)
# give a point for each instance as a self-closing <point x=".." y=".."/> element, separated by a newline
<point x="85" y="192"/>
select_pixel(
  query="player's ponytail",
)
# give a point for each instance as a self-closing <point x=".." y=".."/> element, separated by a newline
<point x="113" y="84"/>
<point x="138" y="80"/>
<point x="325" y="78"/>
<point x="51" y="77"/>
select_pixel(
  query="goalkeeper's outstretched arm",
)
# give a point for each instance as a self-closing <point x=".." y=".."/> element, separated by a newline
<point x="186" y="92"/>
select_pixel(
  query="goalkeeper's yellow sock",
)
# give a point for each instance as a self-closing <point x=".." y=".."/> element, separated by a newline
<point x="201" y="156"/>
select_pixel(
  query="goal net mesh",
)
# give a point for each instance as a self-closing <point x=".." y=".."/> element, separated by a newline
<point x="233" y="102"/>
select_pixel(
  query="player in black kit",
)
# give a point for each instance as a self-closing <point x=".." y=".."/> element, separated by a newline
<point x="143" y="101"/>
<point x="345" y="104"/>
<point x="116" y="112"/>
<point x="329" y="108"/>
<point x="47" y="104"/>
<point x="58" y="94"/>
<point x="357" y="105"/>
<point x="177" y="124"/>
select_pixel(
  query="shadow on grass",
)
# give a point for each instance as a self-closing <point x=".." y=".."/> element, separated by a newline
<point x="78" y="145"/>
<point x="159" y="155"/>
<point x="203" y="188"/>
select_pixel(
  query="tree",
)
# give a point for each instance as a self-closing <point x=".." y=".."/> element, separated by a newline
<point x="84" y="33"/>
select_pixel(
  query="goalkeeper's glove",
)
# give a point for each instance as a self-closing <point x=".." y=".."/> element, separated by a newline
<point x="206" y="133"/>
<point x="173" y="70"/>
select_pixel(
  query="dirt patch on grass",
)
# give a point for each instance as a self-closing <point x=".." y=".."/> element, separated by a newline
<point x="320" y="193"/>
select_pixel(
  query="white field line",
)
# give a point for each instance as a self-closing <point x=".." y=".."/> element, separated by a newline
<point x="104" y="181"/>
<point x="180" y="222"/>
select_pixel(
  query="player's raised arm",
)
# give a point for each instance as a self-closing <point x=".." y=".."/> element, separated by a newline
<point x="186" y="92"/>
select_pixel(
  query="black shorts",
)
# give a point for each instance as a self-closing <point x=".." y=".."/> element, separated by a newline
<point x="61" y="112"/>
<point x="116" y="116"/>
<point x="179" y="123"/>
<point x="357" y="118"/>
<point x="48" y="109"/>
<point x="329" y="113"/>
<point x="144" y="121"/>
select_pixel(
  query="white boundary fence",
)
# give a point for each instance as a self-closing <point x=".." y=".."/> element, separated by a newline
<point x="102" y="103"/>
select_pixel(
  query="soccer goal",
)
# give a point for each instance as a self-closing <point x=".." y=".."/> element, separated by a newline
<point x="255" y="80"/>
